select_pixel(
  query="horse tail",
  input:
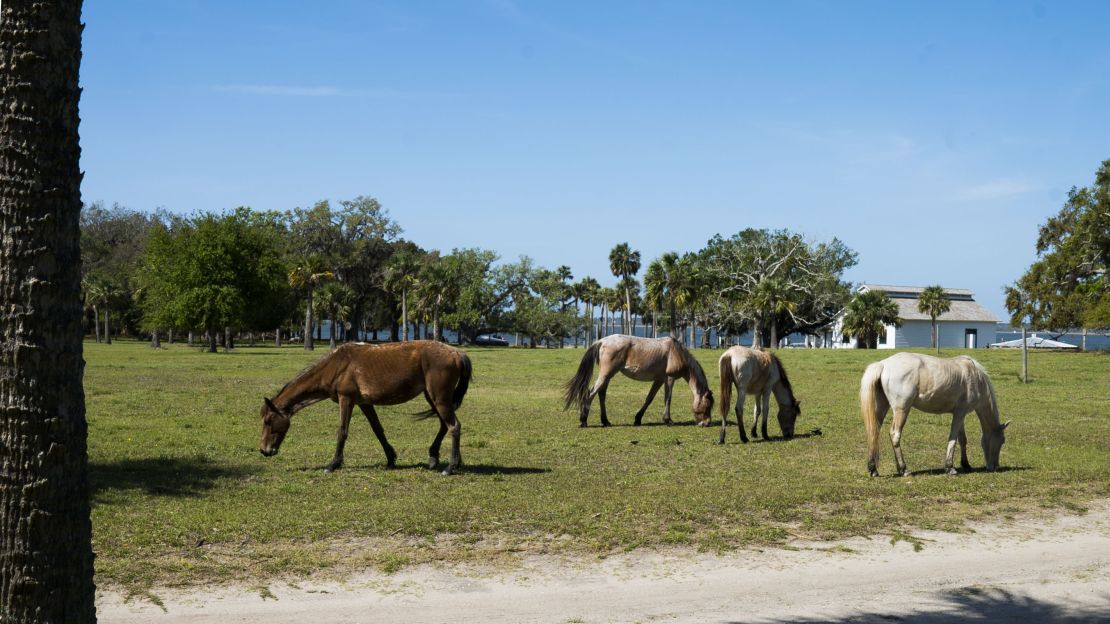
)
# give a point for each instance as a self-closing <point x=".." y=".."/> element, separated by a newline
<point x="578" y="388"/>
<point x="727" y="379"/>
<point x="465" y="373"/>
<point x="870" y="388"/>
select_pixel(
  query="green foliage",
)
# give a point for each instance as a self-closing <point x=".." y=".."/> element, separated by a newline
<point x="181" y="495"/>
<point x="934" y="302"/>
<point x="215" y="271"/>
<point x="1067" y="286"/>
<point x="776" y="280"/>
<point x="867" y="314"/>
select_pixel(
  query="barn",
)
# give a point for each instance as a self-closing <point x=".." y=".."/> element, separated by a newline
<point x="967" y="324"/>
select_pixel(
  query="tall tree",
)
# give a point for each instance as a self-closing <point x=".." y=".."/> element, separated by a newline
<point x="624" y="262"/>
<point x="934" y="302"/>
<point x="335" y="301"/>
<point x="867" y="314"/>
<point x="590" y="288"/>
<point x="400" y="277"/>
<point x="778" y="278"/>
<point x="661" y="284"/>
<point x="1068" y="285"/>
<point x="46" y="572"/>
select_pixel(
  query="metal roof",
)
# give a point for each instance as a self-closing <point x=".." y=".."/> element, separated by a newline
<point x="1034" y="342"/>
<point x="962" y="307"/>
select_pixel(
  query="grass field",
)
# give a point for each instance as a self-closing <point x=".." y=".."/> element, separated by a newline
<point x="181" y="495"/>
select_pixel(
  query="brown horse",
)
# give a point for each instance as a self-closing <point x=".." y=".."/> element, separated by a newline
<point x="658" y="360"/>
<point x="759" y="373"/>
<point x="367" y="375"/>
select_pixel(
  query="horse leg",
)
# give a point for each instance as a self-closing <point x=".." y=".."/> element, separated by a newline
<point x="450" y="422"/>
<point x="764" y="408"/>
<point x="882" y="406"/>
<point x="757" y="409"/>
<point x="966" y="465"/>
<point x="651" y="395"/>
<point x="433" y="450"/>
<point x="345" y="407"/>
<point x="739" y="417"/>
<point x="668" y="386"/>
<point x="600" y="386"/>
<point x="900" y="414"/>
<point x="953" y="436"/>
<point x="376" y="425"/>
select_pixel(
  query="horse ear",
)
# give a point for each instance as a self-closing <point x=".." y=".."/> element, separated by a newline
<point x="1006" y="424"/>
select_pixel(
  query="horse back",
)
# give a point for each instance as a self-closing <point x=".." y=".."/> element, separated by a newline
<point x="397" y="372"/>
<point x="752" y="370"/>
<point x="931" y="384"/>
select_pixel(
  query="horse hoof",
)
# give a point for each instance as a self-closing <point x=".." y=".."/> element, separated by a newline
<point x="952" y="471"/>
<point x="432" y="463"/>
<point x="605" y="423"/>
<point x="581" y="425"/>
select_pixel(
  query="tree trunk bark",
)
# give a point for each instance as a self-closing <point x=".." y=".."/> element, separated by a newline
<point x="228" y="343"/>
<point x="169" y="336"/>
<point x="46" y="567"/>
<point x="189" y="339"/>
<point x="331" y="334"/>
<point x="96" y="323"/>
<point x="308" y="324"/>
<point x="155" y="343"/>
<point x="405" y="315"/>
<point x="107" y="327"/>
<point x="277" y="337"/>
<point x="211" y="335"/>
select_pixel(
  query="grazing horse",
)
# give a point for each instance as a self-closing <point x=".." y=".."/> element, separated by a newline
<point x="759" y="373"/>
<point x="658" y="360"/>
<point x="937" y="386"/>
<point x="367" y="375"/>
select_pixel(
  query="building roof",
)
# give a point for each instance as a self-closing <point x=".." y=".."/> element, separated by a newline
<point x="963" y="307"/>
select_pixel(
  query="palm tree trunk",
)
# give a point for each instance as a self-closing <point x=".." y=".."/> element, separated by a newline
<point x="331" y="334"/>
<point x="96" y="323"/>
<point x="774" y="332"/>
<point x="277" y="337"/>
<point x="404" y="315"/>
<point x="107" y="327"/>
<point x="308" y="324"/>
<point x="46" y="572"/>
<point x="227" y="340"/>
<point x="211" y="335"/>
<point x="155" y="343"/>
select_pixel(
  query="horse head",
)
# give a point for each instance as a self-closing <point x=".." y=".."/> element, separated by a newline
<point x="787" y="415"/>
<point x="703" y="408"/>
<point x="275" y="424"/>
<point x="992" y="445"/>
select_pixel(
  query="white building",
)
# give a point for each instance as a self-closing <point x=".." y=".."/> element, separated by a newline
<point x="965" y="325"/>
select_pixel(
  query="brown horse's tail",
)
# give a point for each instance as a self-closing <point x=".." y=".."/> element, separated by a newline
<point x="464" y="380"/>
<point x="578" y="388"/>
<point x="870" y="389"/>
<point x="727" y="380"/>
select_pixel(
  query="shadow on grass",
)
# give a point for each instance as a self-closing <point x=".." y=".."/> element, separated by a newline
<point x="974" y="470"/>
<point x="980" y="605"/>
<point x="169" y="476"/>
<point x="465" y="468"/>
<point x="657" y="423"/>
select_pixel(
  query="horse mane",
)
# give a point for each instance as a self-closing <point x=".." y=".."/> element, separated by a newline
<point x="983" y="378"/>
<point x="782" y="375"/>
<point x="699" y="374"/>
<point x="312" y="366"/>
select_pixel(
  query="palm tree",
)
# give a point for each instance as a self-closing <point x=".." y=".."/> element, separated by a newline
<point x="335" y="302"/>
<point x="94" y="294"/>
<point x="590" y="288"/>
<point x="46" y="573"/>
<point x="308" y="279"/>
<point x="624" y="262"/>
<point x="867" y="314"/>
<point x="432" y="289"/>
<point x="933" y="302"/>
<point x="662" y="283"/>
<point x="400" y="277"/>
<point x="770" y="297"/>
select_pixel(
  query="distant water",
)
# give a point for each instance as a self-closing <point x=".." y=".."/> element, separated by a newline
<point x="1095" y="342"/>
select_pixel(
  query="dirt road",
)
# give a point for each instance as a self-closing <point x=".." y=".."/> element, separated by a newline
<point x="1045" y="570"/>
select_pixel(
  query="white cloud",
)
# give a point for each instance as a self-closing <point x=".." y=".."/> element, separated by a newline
<point x="1004" y="188"/>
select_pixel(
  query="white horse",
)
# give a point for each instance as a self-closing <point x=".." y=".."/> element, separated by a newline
<point x="759" y="373"/>
<point x="937" y="386"/>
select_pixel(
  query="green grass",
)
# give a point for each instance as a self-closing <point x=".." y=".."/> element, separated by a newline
<point x="181" y="495"/>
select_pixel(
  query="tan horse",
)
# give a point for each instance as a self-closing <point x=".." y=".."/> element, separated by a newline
<point x="658" y="360"/>
<point x="938" y="386"/>
<point x="759" y="373"/>
<point x="367" y="375"/>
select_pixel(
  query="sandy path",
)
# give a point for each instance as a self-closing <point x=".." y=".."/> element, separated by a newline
<point x="1055" y="570"/>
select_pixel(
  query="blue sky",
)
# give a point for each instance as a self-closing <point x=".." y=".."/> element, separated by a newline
<point x="932" y="137"/>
